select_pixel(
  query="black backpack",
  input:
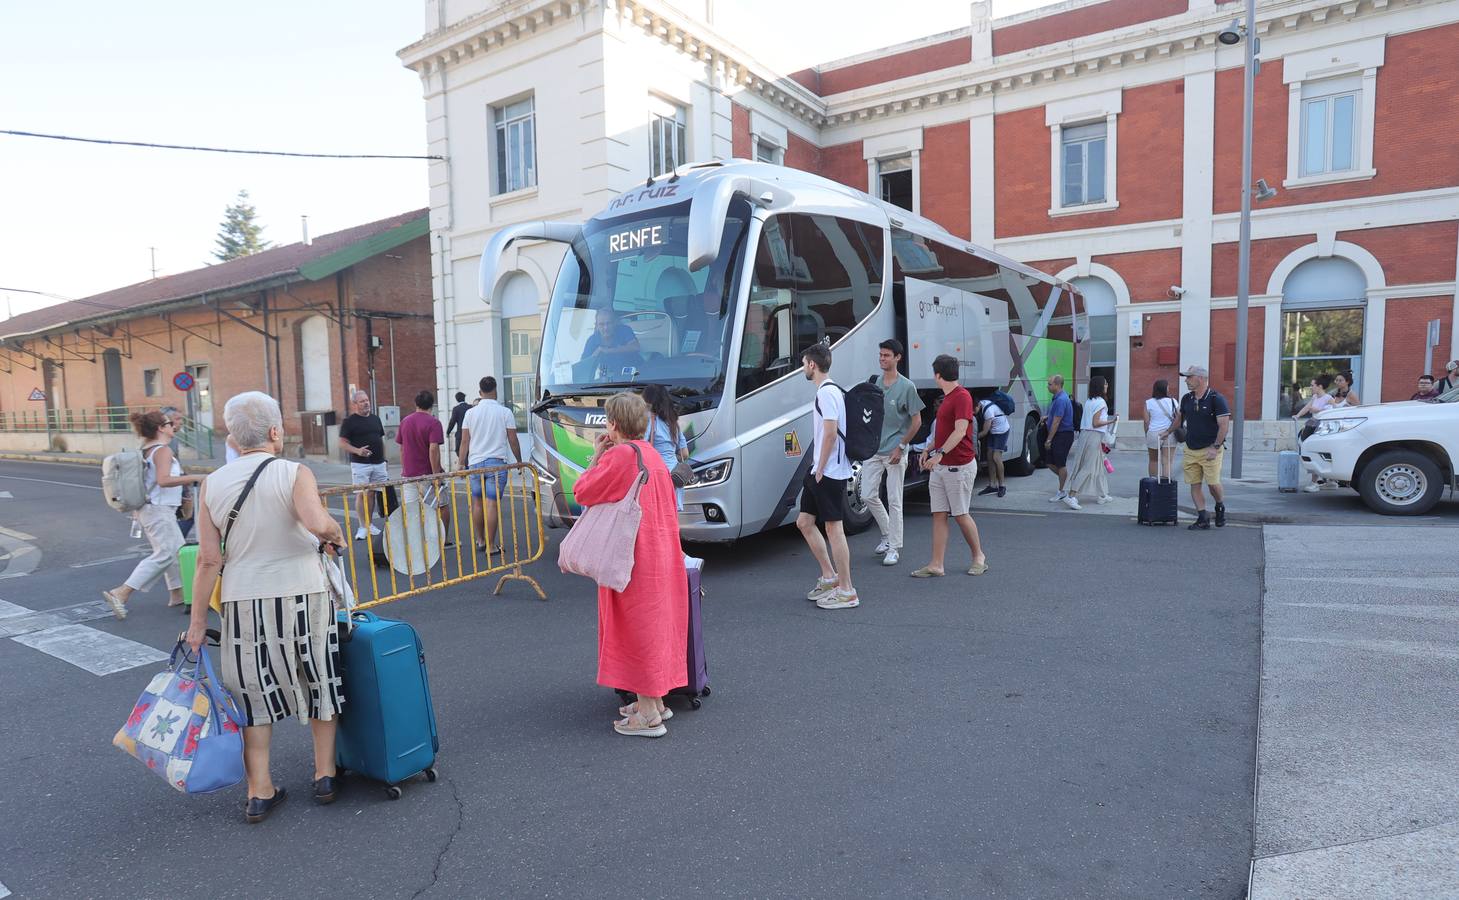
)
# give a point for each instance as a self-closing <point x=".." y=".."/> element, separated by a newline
<point x="865" y="411"/>
<point x="1004" y="402"/>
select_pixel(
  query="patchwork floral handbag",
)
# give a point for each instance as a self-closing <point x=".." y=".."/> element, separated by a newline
<point x="185" y="727"/>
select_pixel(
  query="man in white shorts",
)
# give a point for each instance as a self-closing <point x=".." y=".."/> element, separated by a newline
<point x="362" y="436"/>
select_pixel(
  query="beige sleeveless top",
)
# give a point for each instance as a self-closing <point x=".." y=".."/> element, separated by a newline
<point x="269" y="553"/>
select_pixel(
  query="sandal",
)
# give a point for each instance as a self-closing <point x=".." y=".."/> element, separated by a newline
<point x="927" y="572"/>
<point x="637" y="726"/>
<point x="978" y="568"/>
<point x="118" y="606"/>
<point x="632" y="709"/>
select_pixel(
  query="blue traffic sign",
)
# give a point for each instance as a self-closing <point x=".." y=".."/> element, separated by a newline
<point x="183" y="381"/>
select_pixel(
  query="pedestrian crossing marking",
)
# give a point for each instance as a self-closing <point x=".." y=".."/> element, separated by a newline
<point x="95" y="651"/>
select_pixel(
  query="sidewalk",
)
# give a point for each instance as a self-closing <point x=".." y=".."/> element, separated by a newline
<point x="1253" y="498"/>
<point x="327" y="472"/>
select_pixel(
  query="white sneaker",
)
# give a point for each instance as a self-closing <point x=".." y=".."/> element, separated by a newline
<point x="1057" y="497"/>
<point x="839" y="599"/>
<point x="360" y="533"/>
<point x="1105" y="499"/>
<point x="1072" y="502"/>
<point x="1311" y="487"/>
<point x="892" y="557"/>
<point x="822" y="590"/>
<point x="883" y="547"/>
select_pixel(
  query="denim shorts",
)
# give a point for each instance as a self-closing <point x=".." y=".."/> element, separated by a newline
<point x="998" y="442"/>
<point x="492" y="484"/>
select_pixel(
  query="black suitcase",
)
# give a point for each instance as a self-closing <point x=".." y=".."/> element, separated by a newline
<point x="1158" y="501"/>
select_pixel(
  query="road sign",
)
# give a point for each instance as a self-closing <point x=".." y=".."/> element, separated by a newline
<point x="37" y="394"/>
<point x="183" y="381"/>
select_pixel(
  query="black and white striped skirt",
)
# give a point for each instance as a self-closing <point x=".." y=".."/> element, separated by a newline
<point x="281" y="658"/>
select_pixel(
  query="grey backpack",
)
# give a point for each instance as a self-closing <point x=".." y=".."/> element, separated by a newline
<point x="124" y="480"/>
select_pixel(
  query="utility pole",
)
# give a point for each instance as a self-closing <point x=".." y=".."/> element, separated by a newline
<point x="1243" y="259"/>
<point x="154" y="262"/>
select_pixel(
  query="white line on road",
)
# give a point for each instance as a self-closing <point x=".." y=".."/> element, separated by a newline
<point x="140" y="551"/>
<point x="8" y="609"/>
<point x="95" y="651"/>
<point x="88" y="487"/>
<point x="18" y="535"/>
<point x="6" y="495"/>
<point x="4" y="892"/>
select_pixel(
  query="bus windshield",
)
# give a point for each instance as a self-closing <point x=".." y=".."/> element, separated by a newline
<point x="627" y="310"/>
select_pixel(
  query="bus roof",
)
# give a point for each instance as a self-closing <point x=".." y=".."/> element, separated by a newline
<point x="807" y="190"/>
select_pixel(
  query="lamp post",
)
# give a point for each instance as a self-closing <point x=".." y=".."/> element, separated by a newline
<point x="1243" y="257"/>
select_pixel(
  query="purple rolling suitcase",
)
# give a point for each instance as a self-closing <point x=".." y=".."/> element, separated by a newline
<point x="698" y="668"/>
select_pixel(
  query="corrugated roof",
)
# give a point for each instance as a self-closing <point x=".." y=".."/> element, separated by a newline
<point x="235" y="274"/>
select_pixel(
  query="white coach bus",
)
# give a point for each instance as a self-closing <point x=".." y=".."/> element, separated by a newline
<point x="713" y="280"/>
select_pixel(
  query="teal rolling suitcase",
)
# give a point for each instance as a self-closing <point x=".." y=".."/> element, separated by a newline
<point x="388" y="728"/>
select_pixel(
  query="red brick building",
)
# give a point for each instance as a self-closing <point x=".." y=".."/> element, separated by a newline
<point x="1101" y="141"/>
<point x="304" y="323"/>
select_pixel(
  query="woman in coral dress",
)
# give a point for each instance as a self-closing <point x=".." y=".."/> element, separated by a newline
<point x="642" y="630"/>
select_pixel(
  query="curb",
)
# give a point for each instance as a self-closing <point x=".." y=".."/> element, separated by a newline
<point x="85" y="461"/>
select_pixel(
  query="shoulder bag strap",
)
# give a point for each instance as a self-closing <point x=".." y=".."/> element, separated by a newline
<point x="237" y="505"/>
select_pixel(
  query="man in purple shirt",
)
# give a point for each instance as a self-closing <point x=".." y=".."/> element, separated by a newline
<point x="420" y="438"/>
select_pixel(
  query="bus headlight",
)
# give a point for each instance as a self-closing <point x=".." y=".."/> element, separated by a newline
<point x="716" y="472"/>
<point x="1337" y="426"/>
<point x="543" y="475"/>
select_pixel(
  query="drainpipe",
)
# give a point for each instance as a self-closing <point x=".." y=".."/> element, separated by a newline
<point x="344" y="360"/>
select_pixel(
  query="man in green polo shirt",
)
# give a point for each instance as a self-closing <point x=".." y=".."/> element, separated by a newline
<point x="902" y="419"/>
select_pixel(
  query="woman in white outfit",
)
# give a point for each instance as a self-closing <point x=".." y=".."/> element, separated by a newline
<point x="1086" y="461"/>
<point x="1319" y="401"/>
<point x="158" y="517"/>
<point x="1160" y="411"/>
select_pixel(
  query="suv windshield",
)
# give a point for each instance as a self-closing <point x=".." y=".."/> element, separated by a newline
<point x="627" y="310"/>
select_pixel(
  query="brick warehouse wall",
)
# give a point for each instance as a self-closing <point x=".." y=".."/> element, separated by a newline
<point x="946" y="177"/>
<point x="1161" y="330"/>
<point x="1223" y="356"/>
<point x="740" y="138"/>
<point x="396" y="282"/>
<point x="844" y="163"/>
<point x="1093" y="19"/>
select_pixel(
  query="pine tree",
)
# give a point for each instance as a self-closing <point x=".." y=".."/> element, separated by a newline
<point x="239" y="235"/>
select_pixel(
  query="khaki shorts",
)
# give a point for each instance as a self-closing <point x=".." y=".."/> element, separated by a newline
<point x="1199" y="469"/>
<point x="951" y="490"/>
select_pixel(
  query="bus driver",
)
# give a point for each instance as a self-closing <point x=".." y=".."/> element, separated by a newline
<point x="612" y="346"/>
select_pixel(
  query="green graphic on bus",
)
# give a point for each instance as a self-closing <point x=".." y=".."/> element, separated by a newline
<point x="1049" y="357"/>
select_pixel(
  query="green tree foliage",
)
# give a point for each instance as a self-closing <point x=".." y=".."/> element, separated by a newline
<point x="239" y="235"/>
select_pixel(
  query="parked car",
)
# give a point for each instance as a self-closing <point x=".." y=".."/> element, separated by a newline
<point x="1399" y="456"/>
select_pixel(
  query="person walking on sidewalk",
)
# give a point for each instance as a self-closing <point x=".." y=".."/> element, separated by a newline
<point x="994" y="436"/>
<point x="454" y="424"/>
<point x="823" y="498"/>
<point x="1160" y="410"/>
<point x="953" y="464"/>
<point x="1059" y="425"/>
<point x="362" y="436"/>
<point x="901" y="421"/>
<point x="164" y="480"/>
<point x="1342" y="390"/>
<point x="489" y="436"/>
<point x="1088" y="474"/>
<point x="1450" y="379"/>
<point x="1206" y="417"/>
<point x="420" y="437"/>
<point x="1321" y="400"/>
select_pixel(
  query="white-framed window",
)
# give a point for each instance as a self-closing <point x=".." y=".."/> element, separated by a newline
<point x="1082" y="152"/>
<point x="667" y="138"/>
<point x="1330" y="126"/>
<point x="768" y="152"/>
<point x="1332" y="104"/>
<point x="1083" y="164"/>
<point x="152" y="382"/>
<point x="894" y="168"/>
<point x="515" y="139"/>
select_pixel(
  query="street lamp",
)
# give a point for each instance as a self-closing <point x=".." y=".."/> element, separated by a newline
<point x="1230" y="36"/>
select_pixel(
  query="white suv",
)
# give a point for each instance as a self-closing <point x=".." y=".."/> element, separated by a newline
<point x="1399" y="456"/>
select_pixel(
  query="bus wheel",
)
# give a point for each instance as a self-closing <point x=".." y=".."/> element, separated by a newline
<point x="1028" y="457"/>
<point x="858" y="514"/>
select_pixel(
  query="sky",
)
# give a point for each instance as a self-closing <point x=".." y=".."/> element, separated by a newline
<point x="314" y="76"/>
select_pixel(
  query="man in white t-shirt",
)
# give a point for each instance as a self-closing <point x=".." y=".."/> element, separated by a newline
<point x="994" y="436"/>
<point x="823" y="499"/>
<point x="489" y="439"/>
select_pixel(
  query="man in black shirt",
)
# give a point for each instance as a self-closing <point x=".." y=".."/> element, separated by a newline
<point x="1206" y="418"/>
<point x="362" y="436"/>
<point x="458" y="415"/>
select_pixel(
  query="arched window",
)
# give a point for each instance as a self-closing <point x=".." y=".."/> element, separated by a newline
<point x="1099" y="305"/>
<point x="1322" y="325"/>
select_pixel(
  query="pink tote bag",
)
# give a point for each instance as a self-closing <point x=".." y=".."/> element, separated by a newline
<point x="600" y="543"/>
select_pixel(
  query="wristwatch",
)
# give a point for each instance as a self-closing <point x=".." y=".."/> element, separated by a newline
<point x="903" y="446"/>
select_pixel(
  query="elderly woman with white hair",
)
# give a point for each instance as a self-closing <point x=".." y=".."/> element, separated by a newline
<point x="280" y="644"/>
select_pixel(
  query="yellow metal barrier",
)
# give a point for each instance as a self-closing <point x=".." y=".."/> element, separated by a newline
<point x="431" y="511"/>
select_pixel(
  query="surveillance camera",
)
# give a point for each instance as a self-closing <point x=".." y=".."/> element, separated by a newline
<point x="1231" y="34"/>
<point x="1176" y="292"/>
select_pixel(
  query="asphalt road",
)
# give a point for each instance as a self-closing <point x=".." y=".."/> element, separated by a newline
<point x="1080" y="722"/>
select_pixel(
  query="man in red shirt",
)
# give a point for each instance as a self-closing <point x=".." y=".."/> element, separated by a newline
<point x="420" y="438"/>
<point x="952" y="462"/>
